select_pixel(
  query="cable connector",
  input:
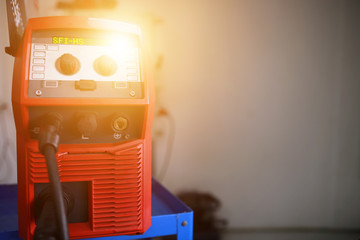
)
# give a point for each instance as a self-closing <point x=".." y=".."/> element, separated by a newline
<point x="50" y="131"/>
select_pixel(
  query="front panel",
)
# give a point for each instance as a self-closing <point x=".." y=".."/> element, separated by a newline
<point x="90" y="73"/>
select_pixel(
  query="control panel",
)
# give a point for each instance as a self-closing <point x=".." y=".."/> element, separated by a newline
<point x="84" y="64"/>
<point x="87" y="64"/>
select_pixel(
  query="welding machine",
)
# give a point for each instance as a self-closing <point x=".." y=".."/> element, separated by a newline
<point x="83" y="98"/>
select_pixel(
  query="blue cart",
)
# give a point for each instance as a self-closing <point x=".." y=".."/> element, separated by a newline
<point x="170" y="216"/>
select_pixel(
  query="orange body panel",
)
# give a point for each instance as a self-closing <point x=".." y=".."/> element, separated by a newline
<point x="119" y="173"/>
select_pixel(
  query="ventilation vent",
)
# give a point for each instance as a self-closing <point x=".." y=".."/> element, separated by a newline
<point x="116" y="177"/>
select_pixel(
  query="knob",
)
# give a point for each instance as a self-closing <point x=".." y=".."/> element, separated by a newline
<point x="87" y="124"/>
<point x="67" y="64"/>
<point x="105" y="66"/>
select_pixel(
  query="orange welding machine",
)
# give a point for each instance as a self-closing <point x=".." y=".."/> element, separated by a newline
<point x="83" y="104"/>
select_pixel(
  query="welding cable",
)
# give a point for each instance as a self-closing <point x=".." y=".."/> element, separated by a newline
<point x="50" y="156"/>
<point x="49" y="137"/>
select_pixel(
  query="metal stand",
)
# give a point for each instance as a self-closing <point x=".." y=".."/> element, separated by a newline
<point x="170" y="216"/>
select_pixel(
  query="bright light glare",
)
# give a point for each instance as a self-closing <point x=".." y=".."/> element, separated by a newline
<point x="120" y="45"/>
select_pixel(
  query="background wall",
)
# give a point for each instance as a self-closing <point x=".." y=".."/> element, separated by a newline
<point x="265" y="99"/>
<point x="7" y="126"/>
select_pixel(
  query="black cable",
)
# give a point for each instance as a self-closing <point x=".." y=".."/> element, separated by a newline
<point x="49" y="138"/>
<point x="56" y="190"/>
<point x="46" y="227"/>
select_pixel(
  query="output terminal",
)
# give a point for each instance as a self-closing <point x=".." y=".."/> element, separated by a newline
<point x="119" y="123"/>
<point x="86" y="123"/>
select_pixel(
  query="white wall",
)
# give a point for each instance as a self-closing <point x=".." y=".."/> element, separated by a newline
<point x="265" y="99"/>
<point x="7" y="126"/>
<point x="266" y="108"/>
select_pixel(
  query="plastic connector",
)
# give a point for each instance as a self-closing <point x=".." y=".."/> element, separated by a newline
<point x="50" y="131"/>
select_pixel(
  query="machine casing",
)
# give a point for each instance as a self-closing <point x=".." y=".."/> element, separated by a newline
<point x="117" y="174"/>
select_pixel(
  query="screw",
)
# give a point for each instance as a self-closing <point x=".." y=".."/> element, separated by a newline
<point x="184" y="223"/>
<point x="127" y="136"/>
<point x="132" y="93"/>
<point x="38" y="92"/>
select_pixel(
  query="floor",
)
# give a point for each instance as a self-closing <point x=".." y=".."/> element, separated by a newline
<point x="291" y="236"/>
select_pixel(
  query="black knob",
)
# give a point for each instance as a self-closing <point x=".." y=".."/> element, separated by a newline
<point x="105" y="66"/>
<point x="68" y="64"/>
<point x="87" y="124"/>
